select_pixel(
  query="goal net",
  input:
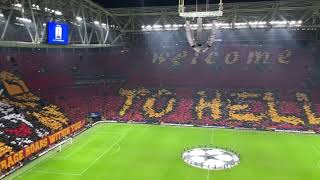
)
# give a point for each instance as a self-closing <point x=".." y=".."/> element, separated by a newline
<point x="64" y="144"/>
<point x="60" y="146"/>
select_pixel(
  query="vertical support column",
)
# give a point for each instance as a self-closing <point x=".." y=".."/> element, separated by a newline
<point x="6" y="25"/>
<point x="101" y="31"/>
<point x="221" y="6"/>
<point x="36" y="37"/>
<point x="199" y="37"/>
<point x="86" y="40"/>
<point x="133" y="22"/>
<point x="70" y="34"/>
<point x="89" y="40"/>
<point x="107" y="33"/>
<point x="27" y="26"/>
<point x="234" y="16"/>
<point x="181" y="6"/>
<point x="75" y="16"/>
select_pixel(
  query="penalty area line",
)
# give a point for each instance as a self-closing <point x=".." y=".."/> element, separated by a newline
<point x="317" y="150"/>
<point x="28" y="168"/>
<point x="105" y="152"/>
<point x="85" y="144"/>
<point x="75" y="150"/>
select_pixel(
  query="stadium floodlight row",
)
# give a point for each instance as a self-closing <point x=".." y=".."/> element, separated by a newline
<point x="266" y="11"/>
<point x="240" y="25"/>
<point x="93" y="24"/>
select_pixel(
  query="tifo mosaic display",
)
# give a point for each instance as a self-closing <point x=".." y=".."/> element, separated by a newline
<point x="262" y="109"/>
<point x="27" y="125"/>
<point x="235" y="56"/>
<point x="39" y="145"/>
<point x="227" y="66"/>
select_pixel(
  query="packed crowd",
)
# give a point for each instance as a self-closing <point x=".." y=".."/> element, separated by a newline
<point x="228" y="66"/>
<point x="262" y="109"/>
<point x="24" y="118"/>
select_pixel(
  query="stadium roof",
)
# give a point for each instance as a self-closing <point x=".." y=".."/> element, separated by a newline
<point x="307" y="11"/>
<point x="26" y="20"/>
<point x="148" y="3"/>
<point x="90" y="23"/>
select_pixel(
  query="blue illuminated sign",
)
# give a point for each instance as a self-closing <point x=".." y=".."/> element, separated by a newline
<point x="57" y="33"/>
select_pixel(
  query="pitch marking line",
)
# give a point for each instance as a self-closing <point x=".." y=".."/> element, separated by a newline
<point x="78" y="149"/>
<point x="85" y="144"/>
<point x="75" y="141"/>
<point x="317" y="149"/>
<point x="212" y="136"/>
<point x="58" y="173"/>
<point x="211" y="141"/>
<point x="72" y="174"/>
<point x="208" y="175"/>
<point x="30" y="169"/>
<point x="105" y="152"/>
<point x="115" y="152"/>
<point x="79" y="174"/>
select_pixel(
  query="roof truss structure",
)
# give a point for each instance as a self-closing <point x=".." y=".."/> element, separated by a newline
<point x="93" y="24"/>
<point x="131" y="19"/>
<point x="89" y="22"/>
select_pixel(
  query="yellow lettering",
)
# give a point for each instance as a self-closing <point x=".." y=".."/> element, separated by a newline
<point x="214" y="106"/>
<point x="149" y="108"/>
<point x="20" y="153"/>
<point x="237" y="111"/>
<point x="52" y="139"/>
<point x="306" y="104"/>
<point x="274" y="114"/>
<point x="4" y="165"/>
<point x="27" y="151"/>
<point x="10" y="161"/>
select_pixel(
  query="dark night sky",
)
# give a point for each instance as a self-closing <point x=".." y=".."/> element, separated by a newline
<point x="141" y="3"/>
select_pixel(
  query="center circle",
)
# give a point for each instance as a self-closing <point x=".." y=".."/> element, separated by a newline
<point x="210" y="158"/>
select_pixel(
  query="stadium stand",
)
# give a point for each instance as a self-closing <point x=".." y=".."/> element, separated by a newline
<point x="24" y="118"/>
<point x="161" y="86"/>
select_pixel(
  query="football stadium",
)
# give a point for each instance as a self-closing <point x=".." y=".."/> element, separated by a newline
<point x="159" y="90"/>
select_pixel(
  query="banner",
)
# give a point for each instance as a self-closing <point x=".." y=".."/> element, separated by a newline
<point x="36" y="147"/>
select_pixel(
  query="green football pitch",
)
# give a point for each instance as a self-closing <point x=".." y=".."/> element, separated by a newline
<point x="148" y="152"/>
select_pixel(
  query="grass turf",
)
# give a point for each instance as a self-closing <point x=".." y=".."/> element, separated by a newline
<point x="147" y="152"/>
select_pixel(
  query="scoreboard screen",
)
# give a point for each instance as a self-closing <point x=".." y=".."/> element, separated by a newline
<point x="57" y="33"/>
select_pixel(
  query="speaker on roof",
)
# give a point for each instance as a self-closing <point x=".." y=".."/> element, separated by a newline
<point x="199" y="37"/>
<point x="190" y="34"/>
